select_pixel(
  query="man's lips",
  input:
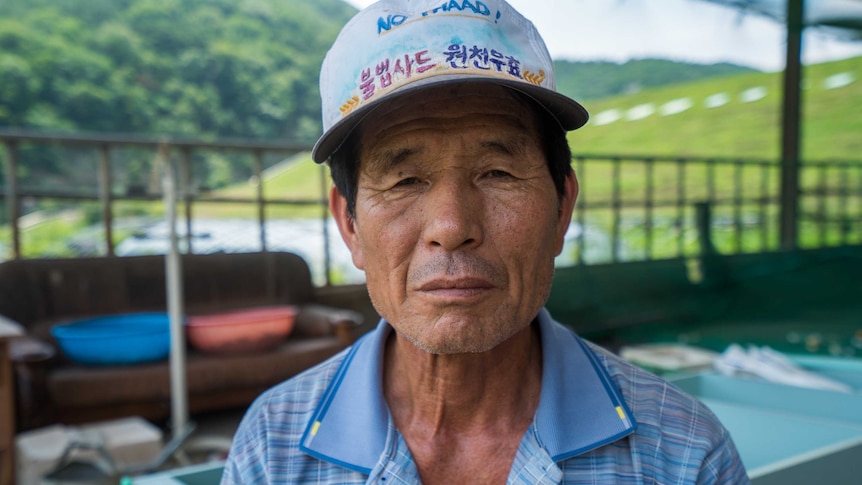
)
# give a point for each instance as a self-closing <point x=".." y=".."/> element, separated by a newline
<point x="456" y="285"/>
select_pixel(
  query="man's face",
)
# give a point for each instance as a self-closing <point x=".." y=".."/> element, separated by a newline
<point x="457" y="219"/>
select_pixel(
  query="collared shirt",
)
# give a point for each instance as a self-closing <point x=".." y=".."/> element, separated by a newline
<point x="599" y="420"/>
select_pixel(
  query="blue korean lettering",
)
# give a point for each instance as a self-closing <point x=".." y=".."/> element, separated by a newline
<point x="514" y="66"/>
<point x="456" y="56"/>
<point x="497" y="59"/>
<point x="479" y="56"/>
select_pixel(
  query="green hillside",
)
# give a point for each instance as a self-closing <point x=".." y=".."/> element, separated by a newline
<point x="197" y="68"/>
<point x="832" y="124"/>
<point x="588" y="80"/>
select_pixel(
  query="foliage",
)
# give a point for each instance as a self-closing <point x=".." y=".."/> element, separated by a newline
<point x="200" y="68"/>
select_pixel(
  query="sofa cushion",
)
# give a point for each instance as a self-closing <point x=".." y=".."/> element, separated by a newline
<point x="76" y="386"/>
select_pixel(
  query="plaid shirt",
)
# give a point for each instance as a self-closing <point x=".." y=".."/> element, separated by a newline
<point x="600" y="420"/>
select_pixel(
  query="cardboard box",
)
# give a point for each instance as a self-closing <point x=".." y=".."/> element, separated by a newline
<point x="128" y="441"/>
<point x="38" y="452"/>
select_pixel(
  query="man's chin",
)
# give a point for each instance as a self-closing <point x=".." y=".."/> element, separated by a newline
<point x="453" y="344"/>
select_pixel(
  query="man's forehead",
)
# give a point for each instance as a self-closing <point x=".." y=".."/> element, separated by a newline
<point x="456" y="92"/>
<point x="483" y="103"/>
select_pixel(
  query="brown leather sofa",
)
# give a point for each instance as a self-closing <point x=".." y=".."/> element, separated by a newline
<point x="38" y="293"/>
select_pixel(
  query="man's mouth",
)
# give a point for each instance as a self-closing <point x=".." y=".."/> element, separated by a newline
<point x="453" y="289"/>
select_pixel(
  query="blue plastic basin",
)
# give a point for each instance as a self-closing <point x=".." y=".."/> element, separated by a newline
<point x="117" y="339"/>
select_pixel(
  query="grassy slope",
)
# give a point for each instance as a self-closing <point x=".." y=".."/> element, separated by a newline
<point x="300" y="180"/>
<point x="831" y="120"/>
<point x="832" y="130"/>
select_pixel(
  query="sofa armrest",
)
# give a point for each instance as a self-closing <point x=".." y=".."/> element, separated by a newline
<point x="320" y="321"/>
<point x="31" y="359"/>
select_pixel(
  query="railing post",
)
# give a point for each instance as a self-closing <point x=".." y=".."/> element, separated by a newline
<point x="703" y="211"/>
<point x="261" y="206"/>
<point x="186" y="191"/>
<point x="648" y="208"/>
<point x="581" y="209"/>
<point x="12" y="208"/>
<point x="327" y="263"/>
<point x="616" y="205"/>
<point x="790" y="132"/>
<point x="680" y="206"/>
<point x="822" y="190"/>
<point x="859" y="200"/>
<point x="844" y="201"/>
<point x="737" y="205"/>
<point x="106" y="196"/>
<point x="764" y="201"/>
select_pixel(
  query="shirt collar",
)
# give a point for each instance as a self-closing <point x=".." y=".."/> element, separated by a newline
<point x="580" y="408"/>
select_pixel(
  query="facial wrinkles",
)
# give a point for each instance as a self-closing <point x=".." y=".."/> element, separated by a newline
<point x="464" y="161"/>
<point x="447" y="150"/>
<point x="392" y="155"/>
<point x="401" y="135"/>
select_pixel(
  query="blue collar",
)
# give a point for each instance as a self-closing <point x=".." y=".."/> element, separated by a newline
<point x="580" y="408"/>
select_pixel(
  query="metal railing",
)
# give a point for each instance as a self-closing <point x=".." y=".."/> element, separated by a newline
<point x="103" y="150"/>
<point x="630" y="207"/>
<point x="649" y="204"/>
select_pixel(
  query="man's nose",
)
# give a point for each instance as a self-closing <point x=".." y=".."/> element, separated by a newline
<point x="453" y="214"/>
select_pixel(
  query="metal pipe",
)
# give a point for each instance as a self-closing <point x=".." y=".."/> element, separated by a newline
<point x="617" y="205"/>
<point x="581" y="208"/>
<point x="173" y="274"/>
<point x="680" y="206"/>
<point x="737" y="206"/>
<point x="327" y="256"/>
<point x="842" y="205"/>
<point x="261" y="207"/>
<point x="822" y="190"/>
<point x="12" y="208"/>
<point x="764" y="200"/>
<point x="185" y="187"/>
<point x="106" y="196"/>
<point x="790" y="124"/>
<point x="648" y="209"/>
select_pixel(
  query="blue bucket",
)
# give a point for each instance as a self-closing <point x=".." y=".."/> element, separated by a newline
<point x="116" y="340"/>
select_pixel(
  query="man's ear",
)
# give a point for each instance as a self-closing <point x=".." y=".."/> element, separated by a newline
<point x="346" y="226"/>
<point x="567" y="206"/>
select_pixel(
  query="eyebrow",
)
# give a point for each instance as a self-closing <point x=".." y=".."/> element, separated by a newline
<point x="515" y="147"/>
<point x="388" y="159"/>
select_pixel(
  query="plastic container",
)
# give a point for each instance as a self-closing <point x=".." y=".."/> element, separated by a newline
<point x="249" y="330"/>
<point x="116" y="340"/>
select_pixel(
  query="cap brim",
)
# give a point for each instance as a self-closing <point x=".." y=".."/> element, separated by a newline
<point x="568" y="112"/>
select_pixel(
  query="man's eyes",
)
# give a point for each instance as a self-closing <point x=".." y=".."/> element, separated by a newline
<point x="490" y="174"/>
<point x="407" y="181"/>
<point x="498" y="174"/>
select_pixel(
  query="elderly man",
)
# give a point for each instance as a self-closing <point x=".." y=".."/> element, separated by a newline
<point x="453" y="190"/>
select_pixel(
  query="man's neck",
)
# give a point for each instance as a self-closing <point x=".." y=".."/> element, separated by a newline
<point x="481" y="404"/>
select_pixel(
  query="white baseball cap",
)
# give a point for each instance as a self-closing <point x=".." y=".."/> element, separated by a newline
<point x="398" y="46"/>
